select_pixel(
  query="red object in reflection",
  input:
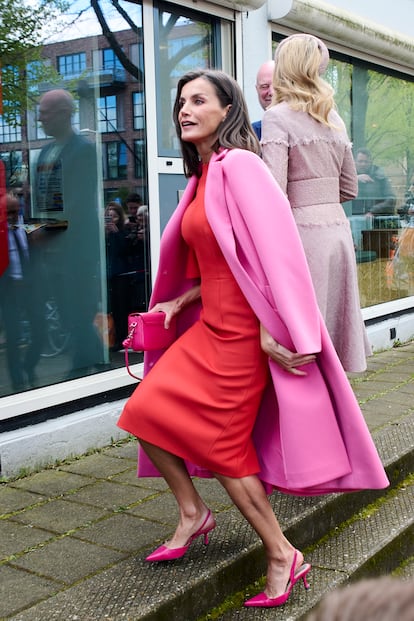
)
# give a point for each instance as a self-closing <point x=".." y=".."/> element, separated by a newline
<point x="4" y="245"/>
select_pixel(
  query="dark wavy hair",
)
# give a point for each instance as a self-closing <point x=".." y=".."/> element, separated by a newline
<point x="235" y="132"/>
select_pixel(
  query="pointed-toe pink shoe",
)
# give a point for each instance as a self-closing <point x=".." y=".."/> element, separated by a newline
<point x="163" y="553"/>
<point x="263" y="601"/>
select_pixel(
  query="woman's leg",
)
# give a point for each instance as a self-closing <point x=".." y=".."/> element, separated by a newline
<point x="249" y="496"/>
<point x="191" y="506"/>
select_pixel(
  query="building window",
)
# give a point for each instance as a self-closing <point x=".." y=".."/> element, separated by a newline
<point x="107" y="114"/>
<point x="71" y="64"/>
<point x="10" y="119"/>
<point x="13" y="162"/>
<point x="10" y="131"/>
<point x="110" y="60"/>
<point x="138" y="110"/>
<point x="115" y="160"/>
<point x="140" y="160"/>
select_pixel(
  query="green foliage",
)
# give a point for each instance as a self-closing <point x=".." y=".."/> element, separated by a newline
<point x="23" y="27"/>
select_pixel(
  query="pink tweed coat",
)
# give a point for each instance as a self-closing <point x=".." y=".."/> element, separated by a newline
<point x="314" y="167"/>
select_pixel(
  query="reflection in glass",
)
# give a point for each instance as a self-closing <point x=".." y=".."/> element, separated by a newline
<point x="59" y="167"/>
<point x="186" y="42"/>
<point x="377" y="109"/>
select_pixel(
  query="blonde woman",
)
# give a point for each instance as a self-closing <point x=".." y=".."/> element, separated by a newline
<point x="305" y="145"/>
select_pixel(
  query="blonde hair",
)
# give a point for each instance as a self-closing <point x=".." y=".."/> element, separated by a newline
<point x="299" y="61"/>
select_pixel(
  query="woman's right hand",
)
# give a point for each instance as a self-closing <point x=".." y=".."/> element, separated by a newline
<point x="170" y="309"/>
<point x="285" y="358"/>
<point x="173" y="307"/>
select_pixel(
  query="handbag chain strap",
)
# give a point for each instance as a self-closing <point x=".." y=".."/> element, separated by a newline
<point x="127" y="343"/>
<point x="130" y="334"/>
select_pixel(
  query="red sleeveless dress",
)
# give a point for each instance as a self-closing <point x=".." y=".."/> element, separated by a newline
<point x="201" y="399"/>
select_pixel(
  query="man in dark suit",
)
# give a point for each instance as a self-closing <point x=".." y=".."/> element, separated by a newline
<point x="66" y="188"/>
<point x="264" y="88"/>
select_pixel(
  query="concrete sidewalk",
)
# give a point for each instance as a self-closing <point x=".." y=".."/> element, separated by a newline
<point x="73" y="538"/>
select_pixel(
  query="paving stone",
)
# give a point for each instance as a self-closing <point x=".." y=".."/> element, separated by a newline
<point x="60" y="560"/>
<point x="12" y="499"/>
<point x="51" y="483"/>
<point x="109" y="495"/>
<point x="123" y="532"/>
<point x="374" y="387"/>
<point x="60" y="516"/>
<point x="153" y="483"/>
<point x="20" y="589"/>
<point x="162" y="509"/>
<point x="98" y="465"/>
<point x="129" y="477"/>
<point x="128" y="450"/>
<point x="15" y="537"/>
<point x="407" y="389"/>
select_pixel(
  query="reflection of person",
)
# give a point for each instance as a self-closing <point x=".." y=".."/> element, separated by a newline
<point x="66" y="183"/>
<point x="375" y="194"/>
<point x="195" y="410"/>
<point x="132" y="202"/>
<point x="143" y="234"/>
<point x="137" y="227"/>
<point x="408" y="205"/>
<point x="117" y="267"/>
<point x="264" y="88"/>
<point x="19" y="300"/>
<point x="306" y="147"/>
<point x="375" y="599"/>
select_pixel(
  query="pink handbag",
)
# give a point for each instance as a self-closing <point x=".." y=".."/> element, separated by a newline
<point x="146" y="332"/>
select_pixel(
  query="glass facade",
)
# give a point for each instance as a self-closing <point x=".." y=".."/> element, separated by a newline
<point x="73" y="159"/>
<point x="75" y="162"/>
<point x="377" y="108"/>
<point x="71" y="275"/>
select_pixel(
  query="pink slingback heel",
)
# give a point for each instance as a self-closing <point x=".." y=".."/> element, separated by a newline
<point x="263" y="601"/>
<point x="163" y="553"/>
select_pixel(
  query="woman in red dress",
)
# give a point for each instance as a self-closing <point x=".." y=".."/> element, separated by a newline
<point x="197" y="407"/>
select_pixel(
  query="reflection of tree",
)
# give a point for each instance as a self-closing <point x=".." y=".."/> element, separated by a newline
<point x="127" y="64"/>
<point x="22" y="28"/>
<point x="360" y="80"/>
<point x="378" y="110"/>
<point x="408" y="123"/>
<point x="389" y="122"/>
<point x="170" y="58"/>
<point x="338" y="74"/>
<point x="198" y="42"/>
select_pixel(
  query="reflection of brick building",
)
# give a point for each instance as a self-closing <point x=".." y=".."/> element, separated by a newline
<point x="111" y="102"/>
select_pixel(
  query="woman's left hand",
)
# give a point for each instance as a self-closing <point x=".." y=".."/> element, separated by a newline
<point x="288" y="360"/>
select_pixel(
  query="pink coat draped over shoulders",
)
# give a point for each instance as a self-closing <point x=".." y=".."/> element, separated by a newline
<point x="310" y="434"/>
